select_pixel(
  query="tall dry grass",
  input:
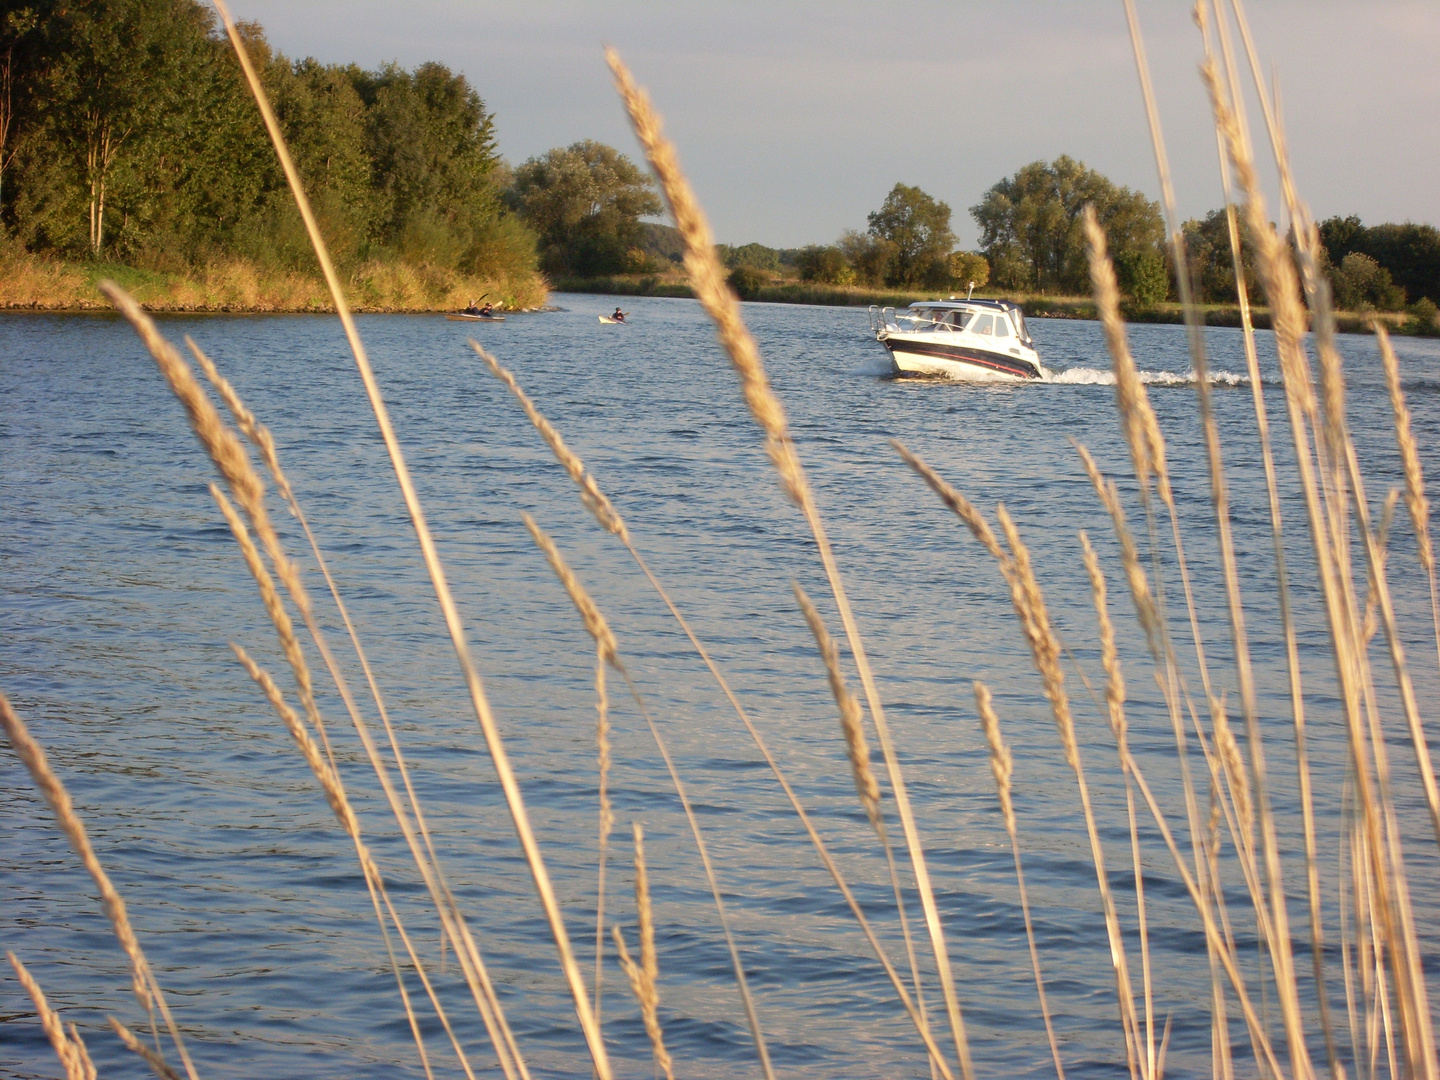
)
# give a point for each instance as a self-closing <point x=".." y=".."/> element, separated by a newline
<point x="1237" y="837"/>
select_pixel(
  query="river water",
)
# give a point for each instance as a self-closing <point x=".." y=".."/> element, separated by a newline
<point x="122" y="589"/>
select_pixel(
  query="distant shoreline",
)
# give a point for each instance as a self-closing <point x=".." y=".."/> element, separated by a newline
<point x="1036" y="306"/>
<point x="31" y="285"/>
<point x="39" y="285"/>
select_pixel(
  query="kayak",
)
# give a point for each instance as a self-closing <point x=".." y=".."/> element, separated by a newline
<point x="460" y="316"/>
<point x="607" y="319"/>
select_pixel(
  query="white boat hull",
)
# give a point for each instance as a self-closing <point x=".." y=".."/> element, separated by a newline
<point x="921" y="355"/>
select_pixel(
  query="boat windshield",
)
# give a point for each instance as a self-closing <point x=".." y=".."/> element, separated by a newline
<point x="949" y="318"/>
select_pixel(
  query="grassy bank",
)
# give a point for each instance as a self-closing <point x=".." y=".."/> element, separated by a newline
<point x="1036" y="306"/>
<point x="37" y="283"/>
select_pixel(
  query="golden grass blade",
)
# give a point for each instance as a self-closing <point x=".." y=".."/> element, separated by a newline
<point x="1287" y="623"/>
<point x="135" y="1046"/>
<point x="645" y="976"/>
<point x="606" y="819"/>
<point x="1029" y="603"/>
<point x="1278" y="276"/>
<point x="857" y="749"/>
<point x="73" y="1058"/>
<point x="142" y="981"/>
<point x="597" y="627"/>
<point x="708" y="280"/>
<point x="452" y="920"/>
<point x="1002" y="766"/>
<point x="821" y="850"/>
<point x="1415" y="501"/>
<point x="493" y="740"/>
<point x="1142" y="430"/>
<point x="1119" y="727"/>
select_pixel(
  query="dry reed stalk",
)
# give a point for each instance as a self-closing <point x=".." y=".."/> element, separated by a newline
<point x="1029" y="603"/>
<point x="142" y="981"/>
<point x="453" y="622"/>
<point x="1103" y="276"/>
<point x="71" y="1052"/>
<point x="1415" y="501"/>
<point x="150" y="1057"/>
<point x="340" y="806"/>
<point x="605" y="653"/>
<point x="912" y="1008"/>
<point x="606" y="818"/>
<point x="1142" y="430"/>
<point x="1119" y="727"/>
<point x="1387" y="872"/>
<point x="708" y="280"/>
<point x="1002" y="767"/>
<point x="857" y="750"/>
<point x="1262" y="420"/>
<point x="590" y="494"/>
<point x="453" y="927"/>
<point x="597" y="627"/>
<point x="645" y="976"/>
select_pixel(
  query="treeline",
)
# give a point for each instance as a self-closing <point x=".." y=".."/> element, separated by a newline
<point x="127" y="134"/>
<point x="1031" y="242"/>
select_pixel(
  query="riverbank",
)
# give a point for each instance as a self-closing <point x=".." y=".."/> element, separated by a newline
<point x="1037" y="306"/>
<point x="37" y="283"/>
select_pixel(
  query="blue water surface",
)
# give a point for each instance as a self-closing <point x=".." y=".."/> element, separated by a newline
<point x="121" y="590"/>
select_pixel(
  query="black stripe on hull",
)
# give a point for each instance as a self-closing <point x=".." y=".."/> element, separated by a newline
<point x="977" y="358"/>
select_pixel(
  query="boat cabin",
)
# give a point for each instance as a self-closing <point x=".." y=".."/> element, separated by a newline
<point x="997" y="319"/>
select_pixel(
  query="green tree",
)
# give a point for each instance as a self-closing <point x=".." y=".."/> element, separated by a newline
<point x="825" y="264"/>
<point x="968" y="268"/>
<point x="585" y="202"/>
<point x="15" y="26"/>
<point x="1409" y="252"/>
<point x="757" y="256"/>
<point x="116" y="88"/>
<point x="871" y="257"/>
<point x="432" y="144"/>
<point x="1361" y="284"/>
<point x="1142" y="276"/>
<point x="1207" y="245"/>
<point x="919" y="227"/>
<point x="1030" y="224"/>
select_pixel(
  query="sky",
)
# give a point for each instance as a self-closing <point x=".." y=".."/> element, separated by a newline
<point x="794" y="118"/>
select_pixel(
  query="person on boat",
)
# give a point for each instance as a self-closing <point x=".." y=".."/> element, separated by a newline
<point x="472" y="309"/>
<point x="488" y="310"/>
<point x="619" y="315"/>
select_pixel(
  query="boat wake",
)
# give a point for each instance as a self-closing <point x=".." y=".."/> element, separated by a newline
<point x="1083" y="376"/>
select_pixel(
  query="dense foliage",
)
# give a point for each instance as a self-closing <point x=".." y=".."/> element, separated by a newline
<point x="1407" y="257"/>
<point x="127" y="133"/>
<point x="918" y="227"/>
<point x="1030" y="228"/>
<point x="585" y="201"/>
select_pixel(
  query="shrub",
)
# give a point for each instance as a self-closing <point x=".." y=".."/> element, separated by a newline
<point x="824" y="265"/>
<point x="1424" y="318"/>
<point x="747" y="282"/>
<point x="966" y="267"/>
<point x="1362" y="284"/>
<point x="1143" y="277"/>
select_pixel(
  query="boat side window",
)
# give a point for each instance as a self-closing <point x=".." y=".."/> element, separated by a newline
<point x="984" y="325"/>
<point x="1002" y="326"/>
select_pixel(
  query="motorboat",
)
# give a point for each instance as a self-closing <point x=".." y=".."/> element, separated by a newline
<point x="960" y="339"/>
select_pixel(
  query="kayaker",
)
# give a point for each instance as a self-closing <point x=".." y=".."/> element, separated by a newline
<point x="471" y="309"/>
<point x="619" y="315"/>
<point x="487" y="310"/>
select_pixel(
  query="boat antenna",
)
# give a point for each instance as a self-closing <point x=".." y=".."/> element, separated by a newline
<point x="969" y="290"/>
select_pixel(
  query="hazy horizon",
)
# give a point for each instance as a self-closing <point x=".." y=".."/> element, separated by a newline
<point x="793" y="121"/>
